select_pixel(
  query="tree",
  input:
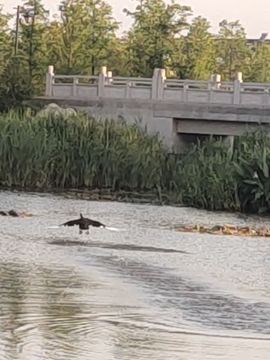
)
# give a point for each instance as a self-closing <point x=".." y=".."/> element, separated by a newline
<point x="153" y="37"/>
<point x="14" y="83"/>
<point x="55" y="45"/>
<point x="5" y="40"/>
<point x="100" y="35"/>
<point x="198" y="50"/>
<point x="32" y="45"/>
<point x="260" y="63"/>
<point x="231" y="48"/>
<point x="88" y="34"/>
<point x="117" y="60"/>
<point x="13" y="69"/>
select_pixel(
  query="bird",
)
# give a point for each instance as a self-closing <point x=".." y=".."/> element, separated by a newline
<point x="84" y="223"/>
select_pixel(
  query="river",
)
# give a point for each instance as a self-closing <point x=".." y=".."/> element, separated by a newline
<point x="144" y="292"/>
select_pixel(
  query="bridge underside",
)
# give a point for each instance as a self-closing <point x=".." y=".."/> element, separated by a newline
<point x="211" y="127"/>
<point x="189" y="131"/>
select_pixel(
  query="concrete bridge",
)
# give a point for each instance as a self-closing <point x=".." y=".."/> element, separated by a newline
<point x="179" y="110"/>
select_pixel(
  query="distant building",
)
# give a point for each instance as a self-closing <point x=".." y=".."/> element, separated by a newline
<point x="252" y="43"/>
<point x="262" y="39"/>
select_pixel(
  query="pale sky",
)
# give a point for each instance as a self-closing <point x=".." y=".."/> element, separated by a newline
<point x="253" y="15"/>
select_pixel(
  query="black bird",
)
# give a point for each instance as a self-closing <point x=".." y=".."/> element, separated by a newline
<point x="84" y="223"/>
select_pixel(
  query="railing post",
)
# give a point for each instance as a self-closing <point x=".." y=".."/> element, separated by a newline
<point x="239" y="76"/>
<point x="216" y="81"/>
<point x="237" y="88"/>
<point x="49" y="81"/>
<point x="209" y="88"/>
<point x="265" y="97"/>
<point x="103" y="70"/>
<point x="154" y="84"/>
<point x="128" y="90"/>
<point x="101" y="81"/>
<point x="210" y="81"/>
<point x="161" y="81"/>
<point x="109" y="77"/>
<point x="185" y="92"/>
<point x="158" y="79"/>
<point x="74" y="86"/>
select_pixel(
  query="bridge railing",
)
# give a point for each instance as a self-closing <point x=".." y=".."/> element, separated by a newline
<point x="158" y="87"/>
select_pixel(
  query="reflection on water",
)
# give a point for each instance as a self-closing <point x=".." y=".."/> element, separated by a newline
<point x="145" y="293"/>
<point x="129" y="247"/>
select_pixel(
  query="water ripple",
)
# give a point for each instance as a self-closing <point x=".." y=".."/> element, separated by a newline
<point x="146" y="293"/>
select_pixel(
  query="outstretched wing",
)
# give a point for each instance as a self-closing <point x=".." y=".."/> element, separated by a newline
<point x="95" y="223"/>
<point x="72" y="222"/>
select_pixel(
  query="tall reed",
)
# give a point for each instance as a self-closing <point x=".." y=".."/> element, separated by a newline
<point x="55" y="152"/>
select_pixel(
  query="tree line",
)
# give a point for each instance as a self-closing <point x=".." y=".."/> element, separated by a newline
<point x="83" y="37"/>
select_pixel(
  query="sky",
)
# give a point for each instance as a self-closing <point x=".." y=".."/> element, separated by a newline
<point x="253" y="15"/>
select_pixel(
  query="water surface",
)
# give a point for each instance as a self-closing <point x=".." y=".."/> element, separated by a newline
<point x="146" y="292"/>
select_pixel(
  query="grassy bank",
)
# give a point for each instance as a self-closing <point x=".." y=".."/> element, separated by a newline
<point x="78" y="152"/>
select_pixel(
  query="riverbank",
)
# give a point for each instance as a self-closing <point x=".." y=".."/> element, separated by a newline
<point x="150" y="197"/>
<point x="57" y="153"/>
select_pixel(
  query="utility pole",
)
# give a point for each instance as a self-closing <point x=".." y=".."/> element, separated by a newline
<point x="31" y="52"/>
<point x="17" y="30"/>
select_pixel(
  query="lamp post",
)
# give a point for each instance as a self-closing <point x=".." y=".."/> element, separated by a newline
<point x="29" y="13"/>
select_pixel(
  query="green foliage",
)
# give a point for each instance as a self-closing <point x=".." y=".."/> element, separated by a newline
<point x="252" y="172"/>
<point x="13" y="69"/>
<point x="198" y="48"/>
<point x="87" y="35"/>
<point x="259" y="70"/>
<point x="14" y="84"/>
<point x="56" y="47"/>
<point x="154" y="34"/>
<point x="57" y="152"/>
<point x="231" y="49"/>
<point x="203" y="176"/>
<point x="79" y="152"/>
<point x="5" y="40"/>
<point x="32" y="42"/>
<point x="82" y="38"/>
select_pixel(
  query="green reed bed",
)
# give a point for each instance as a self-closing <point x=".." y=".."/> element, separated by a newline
<point x="79" y="152"/>
<point x="203" y="177"/>
<point x="57" y="152"/>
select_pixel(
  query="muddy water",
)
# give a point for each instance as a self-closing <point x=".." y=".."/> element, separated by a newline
<point x="145" y="292"/>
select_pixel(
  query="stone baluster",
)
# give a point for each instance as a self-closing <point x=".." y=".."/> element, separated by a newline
<point x="101" y="81"/>
<point x="49" y="81"/>
<point x="237" y="88"/>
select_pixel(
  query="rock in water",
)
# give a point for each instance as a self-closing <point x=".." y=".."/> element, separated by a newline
<point x="13" y="213"/>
